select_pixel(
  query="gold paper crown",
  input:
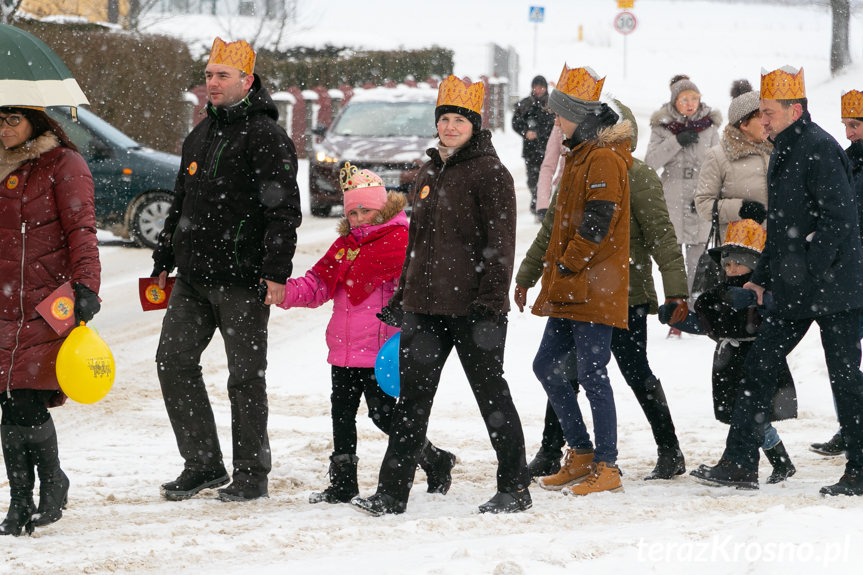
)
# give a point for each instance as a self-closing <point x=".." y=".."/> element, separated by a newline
<point x="237" y="55"/>
<point x="352" y="178"/>
<point x="581" y="83"/>
<point x="852" y="104"/>
<point x="785" y="83"/>
<point x="456" y="92"/>
<point x="746" y="234"/>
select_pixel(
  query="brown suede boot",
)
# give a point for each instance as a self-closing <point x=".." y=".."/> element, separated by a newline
<point x="603" y="477"/>
<point x="576" y="466"/>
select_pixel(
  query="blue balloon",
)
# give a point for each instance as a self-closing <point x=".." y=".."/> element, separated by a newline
<point x="387" y="366"/>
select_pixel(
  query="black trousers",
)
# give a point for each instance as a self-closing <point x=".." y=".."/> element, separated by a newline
<point x="194" y="314"/>
<point x="776" y="338"/>
<point x="426" y="342"/>
<point x="25" y="407"/>
<point x="532" y="166"/>
<point x="629" y="347"/>
<point x="350" y="384"/>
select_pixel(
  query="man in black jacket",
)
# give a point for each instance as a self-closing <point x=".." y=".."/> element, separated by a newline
<point x="231" y="234"/>
<point x="534" y="121"/>
<point x="812" y="264"/>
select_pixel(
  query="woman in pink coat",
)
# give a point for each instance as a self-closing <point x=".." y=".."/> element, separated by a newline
<point x="359" y="273"/>
<point x="48" y="234"/>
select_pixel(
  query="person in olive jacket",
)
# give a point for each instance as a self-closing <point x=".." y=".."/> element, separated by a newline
<point x="231" y="234"/>
<point x="651" y="234"/>
<point x="453" y="293"/>
<point x="812" y="263"/>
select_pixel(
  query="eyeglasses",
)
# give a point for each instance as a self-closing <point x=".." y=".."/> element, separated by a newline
<point x="11" y="120"/>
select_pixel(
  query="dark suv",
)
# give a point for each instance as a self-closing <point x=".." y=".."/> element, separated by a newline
<point x="134" y="184"/>
<point x="385" y="130"/>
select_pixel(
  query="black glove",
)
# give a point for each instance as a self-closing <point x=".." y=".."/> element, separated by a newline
<point x="752" y="211"/>
<point x="86" y="303"/>
<point x="564" y="270"/>
<point x="391" y="315"/>
<point x="687" y="137"/>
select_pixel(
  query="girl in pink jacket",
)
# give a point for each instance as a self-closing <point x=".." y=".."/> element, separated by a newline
<point x="359" y="273"/>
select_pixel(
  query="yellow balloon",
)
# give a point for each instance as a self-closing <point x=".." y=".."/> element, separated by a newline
<point x="85" y="366"/>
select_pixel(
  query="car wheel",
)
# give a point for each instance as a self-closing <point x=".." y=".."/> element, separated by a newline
<point x="321" y="211"/>
<point x="148" y="218"/>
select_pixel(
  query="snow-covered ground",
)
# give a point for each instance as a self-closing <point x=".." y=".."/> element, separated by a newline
<point x="118" y="451"/>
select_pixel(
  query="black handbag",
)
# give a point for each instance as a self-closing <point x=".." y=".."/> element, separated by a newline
<point x="708" y="271"/>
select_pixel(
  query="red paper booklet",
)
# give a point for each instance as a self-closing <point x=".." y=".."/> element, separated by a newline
<point x="58" y="309"/>
<point x="152" y="296"/>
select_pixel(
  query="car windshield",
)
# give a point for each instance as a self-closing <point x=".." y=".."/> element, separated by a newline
<point x="381" y="119"/>
<point x="80" y="132"/>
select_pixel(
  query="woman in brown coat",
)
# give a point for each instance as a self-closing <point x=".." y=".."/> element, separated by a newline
<point x="47" y="228"/>
<point x="454" y="293"/>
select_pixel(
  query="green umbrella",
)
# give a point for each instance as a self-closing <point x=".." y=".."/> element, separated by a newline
<point x="31" y="74"/>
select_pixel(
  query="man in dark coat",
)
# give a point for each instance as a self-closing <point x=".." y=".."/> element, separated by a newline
<point x="812" y="263"/>
<point x="231" y="234"/>
<point x="534" y="121"/>
<point x="852" y="119"/>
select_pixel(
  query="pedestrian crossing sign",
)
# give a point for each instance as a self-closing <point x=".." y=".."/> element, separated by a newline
<point x="537" y="13"/>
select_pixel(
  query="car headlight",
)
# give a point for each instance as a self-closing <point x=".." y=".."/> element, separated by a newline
<point x="325" y="158"/>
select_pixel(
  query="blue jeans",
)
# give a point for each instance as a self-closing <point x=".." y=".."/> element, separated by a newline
<point x="591" y="344"/>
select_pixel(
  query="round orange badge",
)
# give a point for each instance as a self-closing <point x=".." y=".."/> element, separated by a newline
<point x="154" y="294"/>
<point x="193" y="167"/>
<point x="424" y="192"/>
<point x="62" y="307"/>
<point x="12" y="182"/>
<point x="340" y="254"/>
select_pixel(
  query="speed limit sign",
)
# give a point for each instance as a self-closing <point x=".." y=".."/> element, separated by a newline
<point x="625" y="23"/>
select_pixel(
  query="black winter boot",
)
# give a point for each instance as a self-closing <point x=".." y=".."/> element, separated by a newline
<point x="53" y="483"/>
<point x="546" y="462"/>
<point x="849" y="484"/>
<point x="669" y="463"/>
<point x="437" y="465"/>
<point x="781" y="462"/>
<point x="832" y="448"/>
<point x="726" y="474"/>
<point x="19" y="470"/>
<point x="343" y="481"/>
<point x="513" y="502"/>
<point x="379" y="504"/>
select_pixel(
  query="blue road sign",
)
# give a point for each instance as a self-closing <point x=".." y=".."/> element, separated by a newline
<point x="537" y="13"/>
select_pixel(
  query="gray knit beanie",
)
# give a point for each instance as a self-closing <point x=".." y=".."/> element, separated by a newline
<point x="744" y="101"/>
<point x="570" y="108"/>
<point x="681" y="83"/>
